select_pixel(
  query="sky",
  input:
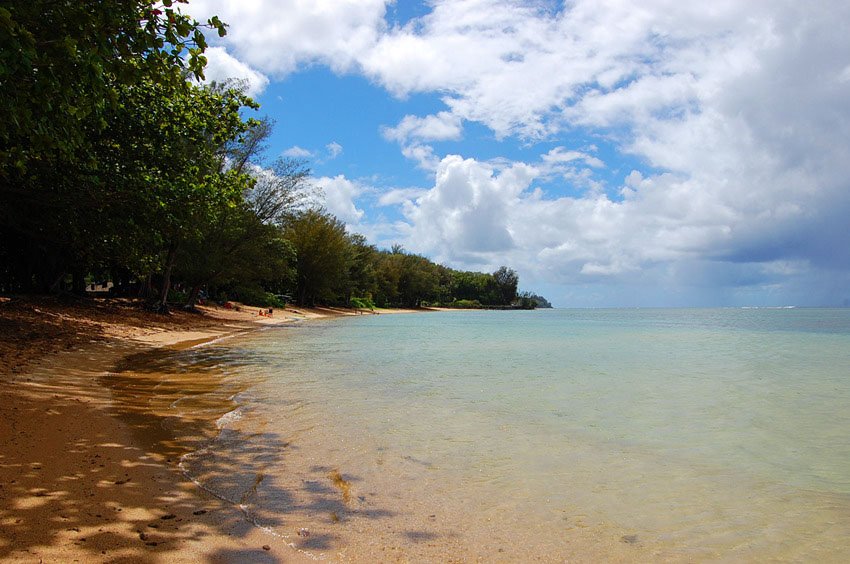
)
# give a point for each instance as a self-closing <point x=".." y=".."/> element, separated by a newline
<point x="658" y="153"/>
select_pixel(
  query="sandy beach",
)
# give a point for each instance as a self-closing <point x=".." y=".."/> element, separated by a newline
<point x="84" y="478"/>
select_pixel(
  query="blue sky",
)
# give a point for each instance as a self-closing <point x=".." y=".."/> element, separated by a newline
<point x="614" y="153"/>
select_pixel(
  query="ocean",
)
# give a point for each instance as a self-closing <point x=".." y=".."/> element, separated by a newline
<point x="550" y="435"/>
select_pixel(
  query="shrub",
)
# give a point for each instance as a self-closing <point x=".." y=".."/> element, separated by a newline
<point x="362" y="303"/>
<point x="177" y="296"/>
<point x="465" y="304"/>
<point x="259" y="297"/>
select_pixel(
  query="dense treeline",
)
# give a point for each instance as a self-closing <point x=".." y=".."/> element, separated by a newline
<point x="117" y="164"/>
<point x="335" y="267"/>
<point x="111" y="155"/>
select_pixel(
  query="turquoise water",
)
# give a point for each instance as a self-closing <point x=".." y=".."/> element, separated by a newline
<point x="717" y="434"/>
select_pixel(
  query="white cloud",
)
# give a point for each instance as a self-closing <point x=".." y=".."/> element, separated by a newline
<point x="440" y="127"/>
<point x="742" y="107"/>
<point x="479" y="216"/>
<point x="400" y="195"/>
<point x="413" y="134"/>
<point x="334" y="150"/>
<point x="424" y="155"/>
<point x="560" y="155"/>
<point x="575" y="168"/>
<point x="739" y="112"/>
<point x="279" y="35"/>
<point x="339" y="194"/>
<point x="297" y="152"/>
<point x="221" y="67"/>
<point x="465" y="216"/>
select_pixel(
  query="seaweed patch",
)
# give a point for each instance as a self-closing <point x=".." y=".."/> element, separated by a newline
<point x="342" y="484"/>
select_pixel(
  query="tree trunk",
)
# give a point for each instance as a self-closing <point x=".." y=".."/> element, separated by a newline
<point x="120" y="280"/>
<point x="146" y="287"/>
<point x="56" y="287"/>
<point x="192" y="299"/>
<point x="78" y="283"/>
<point x="49" y="268"/>
<point x="166" y="277"/>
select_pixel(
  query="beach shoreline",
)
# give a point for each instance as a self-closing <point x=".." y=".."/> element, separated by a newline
<point x="77" y="483"/>
<point x="117" y="444"/>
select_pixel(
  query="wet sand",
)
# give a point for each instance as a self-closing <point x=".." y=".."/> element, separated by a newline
<point x="88" y="476"/>
<point x="92" y="461"/>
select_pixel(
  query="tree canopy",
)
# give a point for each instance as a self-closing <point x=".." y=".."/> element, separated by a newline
<point x="110" y="153"/>
<point x="116" y="163"/>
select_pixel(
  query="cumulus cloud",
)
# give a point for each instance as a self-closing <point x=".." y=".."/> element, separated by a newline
<point x="560" y="155"/>
<point x="400" y="195"/>
<point x="738" y="112"/>
<point x="667" y="229"/>
<point x="221" y="66"/>
<point x="423" y="154"/>
<point x="465" y="216"/>
<point x="413" y="134"/>
<point x="297" y="152"/>
<point x="576" y="168"/>
<point x="440" y="127"/>
<point x="279" y="35"/>
<point x="338" y="195"/>
<point x="742" y="112"/>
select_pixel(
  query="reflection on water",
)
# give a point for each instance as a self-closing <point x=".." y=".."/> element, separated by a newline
<point x="508" y="436"/>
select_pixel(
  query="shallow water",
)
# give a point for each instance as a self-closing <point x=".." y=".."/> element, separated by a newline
<point x="566" y="434"/>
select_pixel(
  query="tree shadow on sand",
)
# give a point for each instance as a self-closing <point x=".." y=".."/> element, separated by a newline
<point x="130" y="500"/>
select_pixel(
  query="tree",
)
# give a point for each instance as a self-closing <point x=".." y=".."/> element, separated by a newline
<point x="361" y="268"/>
<point x="61" y="64"/>
<point x="241" y="152"/>
<point x="472" y="286"/>
<point x="88" y="92"/>
<point x="244" y="242"/>
<point x="506" y="281"/>
<point x="419" y="280"/>
<point x="405" y="279"/>
<point x="322" y="256"/>
<point x="238" y="249"/>
<point x="388" y="269"/>
<point x="533" y="301"/>
<point x="279" y="191"/>
<point x="180" y="178"/>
